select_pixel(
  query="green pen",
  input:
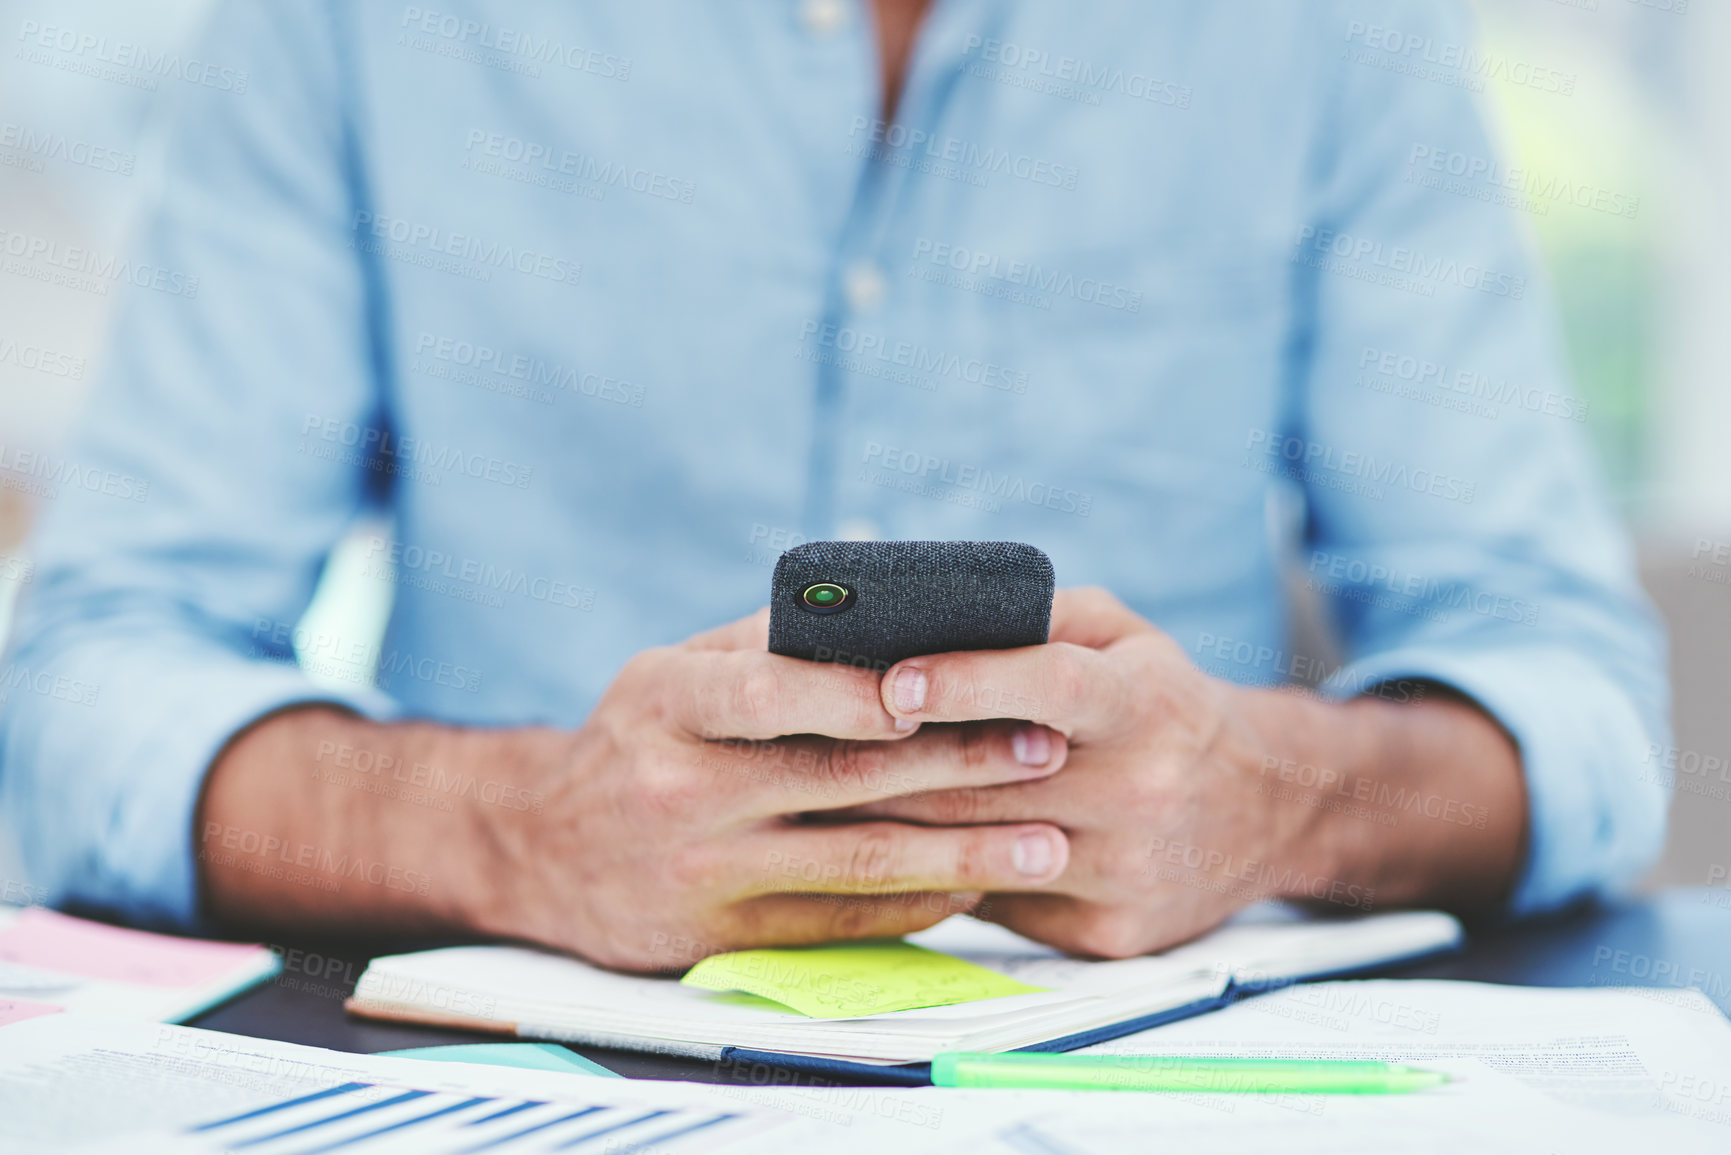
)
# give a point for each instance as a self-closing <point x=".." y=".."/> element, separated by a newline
<point x="1028" y="1070"/>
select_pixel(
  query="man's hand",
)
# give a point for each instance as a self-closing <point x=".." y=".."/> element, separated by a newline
<point x="670" y="818"/>
<point x="664" y="829"/>
<point x="1185" y="797"/>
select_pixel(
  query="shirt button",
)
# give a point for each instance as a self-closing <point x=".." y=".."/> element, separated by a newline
<point x="858" y="529"/>
<point x="822" y="17"/>
<point x="864" y="287"/>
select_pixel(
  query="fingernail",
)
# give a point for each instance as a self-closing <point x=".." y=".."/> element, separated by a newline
<point x="910" y="689"/>
<point x="903" y="725"/>
<point x="1032" y="855"/>
<point x="1031" y="745"/>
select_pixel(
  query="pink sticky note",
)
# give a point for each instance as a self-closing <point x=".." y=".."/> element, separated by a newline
<point x="17" y="1010"/>
<point x="58" y="942"/>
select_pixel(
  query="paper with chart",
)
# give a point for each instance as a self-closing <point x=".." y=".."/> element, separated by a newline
<point x="83" y="1083"/>
<point x="1589" y="1071"/>
<point x="1617" y="1070"/>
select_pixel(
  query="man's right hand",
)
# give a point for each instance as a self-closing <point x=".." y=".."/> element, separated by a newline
<point x="664" y="829"/>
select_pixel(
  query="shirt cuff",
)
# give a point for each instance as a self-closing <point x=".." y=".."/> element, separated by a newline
<point x="1594" y="821"/>
<point x="108" y="818"/>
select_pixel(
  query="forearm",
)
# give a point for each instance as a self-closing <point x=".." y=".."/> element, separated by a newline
<point x="1418" y="796"/>
<point x="314" y="819"/>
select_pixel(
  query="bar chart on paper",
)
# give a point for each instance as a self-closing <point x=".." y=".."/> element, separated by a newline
<point x="376" y="1119"/>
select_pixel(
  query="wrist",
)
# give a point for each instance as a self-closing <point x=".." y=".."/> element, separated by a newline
<point x="513" y="781"/>
<point x="1311" y="765"/>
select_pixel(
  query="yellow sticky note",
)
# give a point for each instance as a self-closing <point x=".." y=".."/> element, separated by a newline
<point x="843" y="980"/>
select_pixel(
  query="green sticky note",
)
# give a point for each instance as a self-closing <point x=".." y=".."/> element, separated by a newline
<point x="530" y="1056"/>
<point x="842" y="980"/>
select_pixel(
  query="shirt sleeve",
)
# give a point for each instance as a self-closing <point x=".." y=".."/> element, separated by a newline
<point x="193" y="519"/>
<point x="1456" y="525"/>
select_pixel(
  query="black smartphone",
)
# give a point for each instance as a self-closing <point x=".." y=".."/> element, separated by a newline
<point x="873" y="603"/>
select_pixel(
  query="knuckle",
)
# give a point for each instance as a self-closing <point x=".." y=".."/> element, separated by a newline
<point x="872" y="859"/>
<point x="866" y="697"/>
<point x="688" y="869"/>
<point x="853" y="917"/>
<point x="664" y="790"/>
<point x="976" y="750"/>
<point x="954" y="807"/>
<point x="973" y="858"/>
<point x="756" y="697"/>
<point x="1111" y="934"/>
<point x="1064" y="678"/>
<point x="852" y="766"/>
<point x="1120" y="872"/>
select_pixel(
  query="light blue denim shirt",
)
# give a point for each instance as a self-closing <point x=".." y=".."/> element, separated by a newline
<point x="607" y="304"/>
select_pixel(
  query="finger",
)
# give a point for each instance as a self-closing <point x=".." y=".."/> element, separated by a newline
<point x="1044" y="800"/>
<point x="1093" y="617"/>
<point x="890" y="857"/>
<point x="1073" y="689"/>
<point x="794" y="775"/>
<point x="717" y="693"/>
<point x="1074" y="925"/>
<point x="748" y="633"/>
<point x="802" y="920"/>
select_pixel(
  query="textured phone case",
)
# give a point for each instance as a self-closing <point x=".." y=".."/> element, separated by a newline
<point x="911" y="597"/>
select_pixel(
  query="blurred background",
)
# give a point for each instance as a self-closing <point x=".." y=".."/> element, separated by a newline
<point x="1645" y="300"/>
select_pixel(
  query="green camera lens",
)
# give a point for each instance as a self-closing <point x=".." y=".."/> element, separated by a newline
<point x="825" y="598"/>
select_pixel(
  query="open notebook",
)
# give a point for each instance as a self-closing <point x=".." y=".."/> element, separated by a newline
<point x="541" y="995"/>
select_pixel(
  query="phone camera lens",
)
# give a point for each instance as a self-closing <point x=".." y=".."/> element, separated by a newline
<point x="825" y="598"/>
